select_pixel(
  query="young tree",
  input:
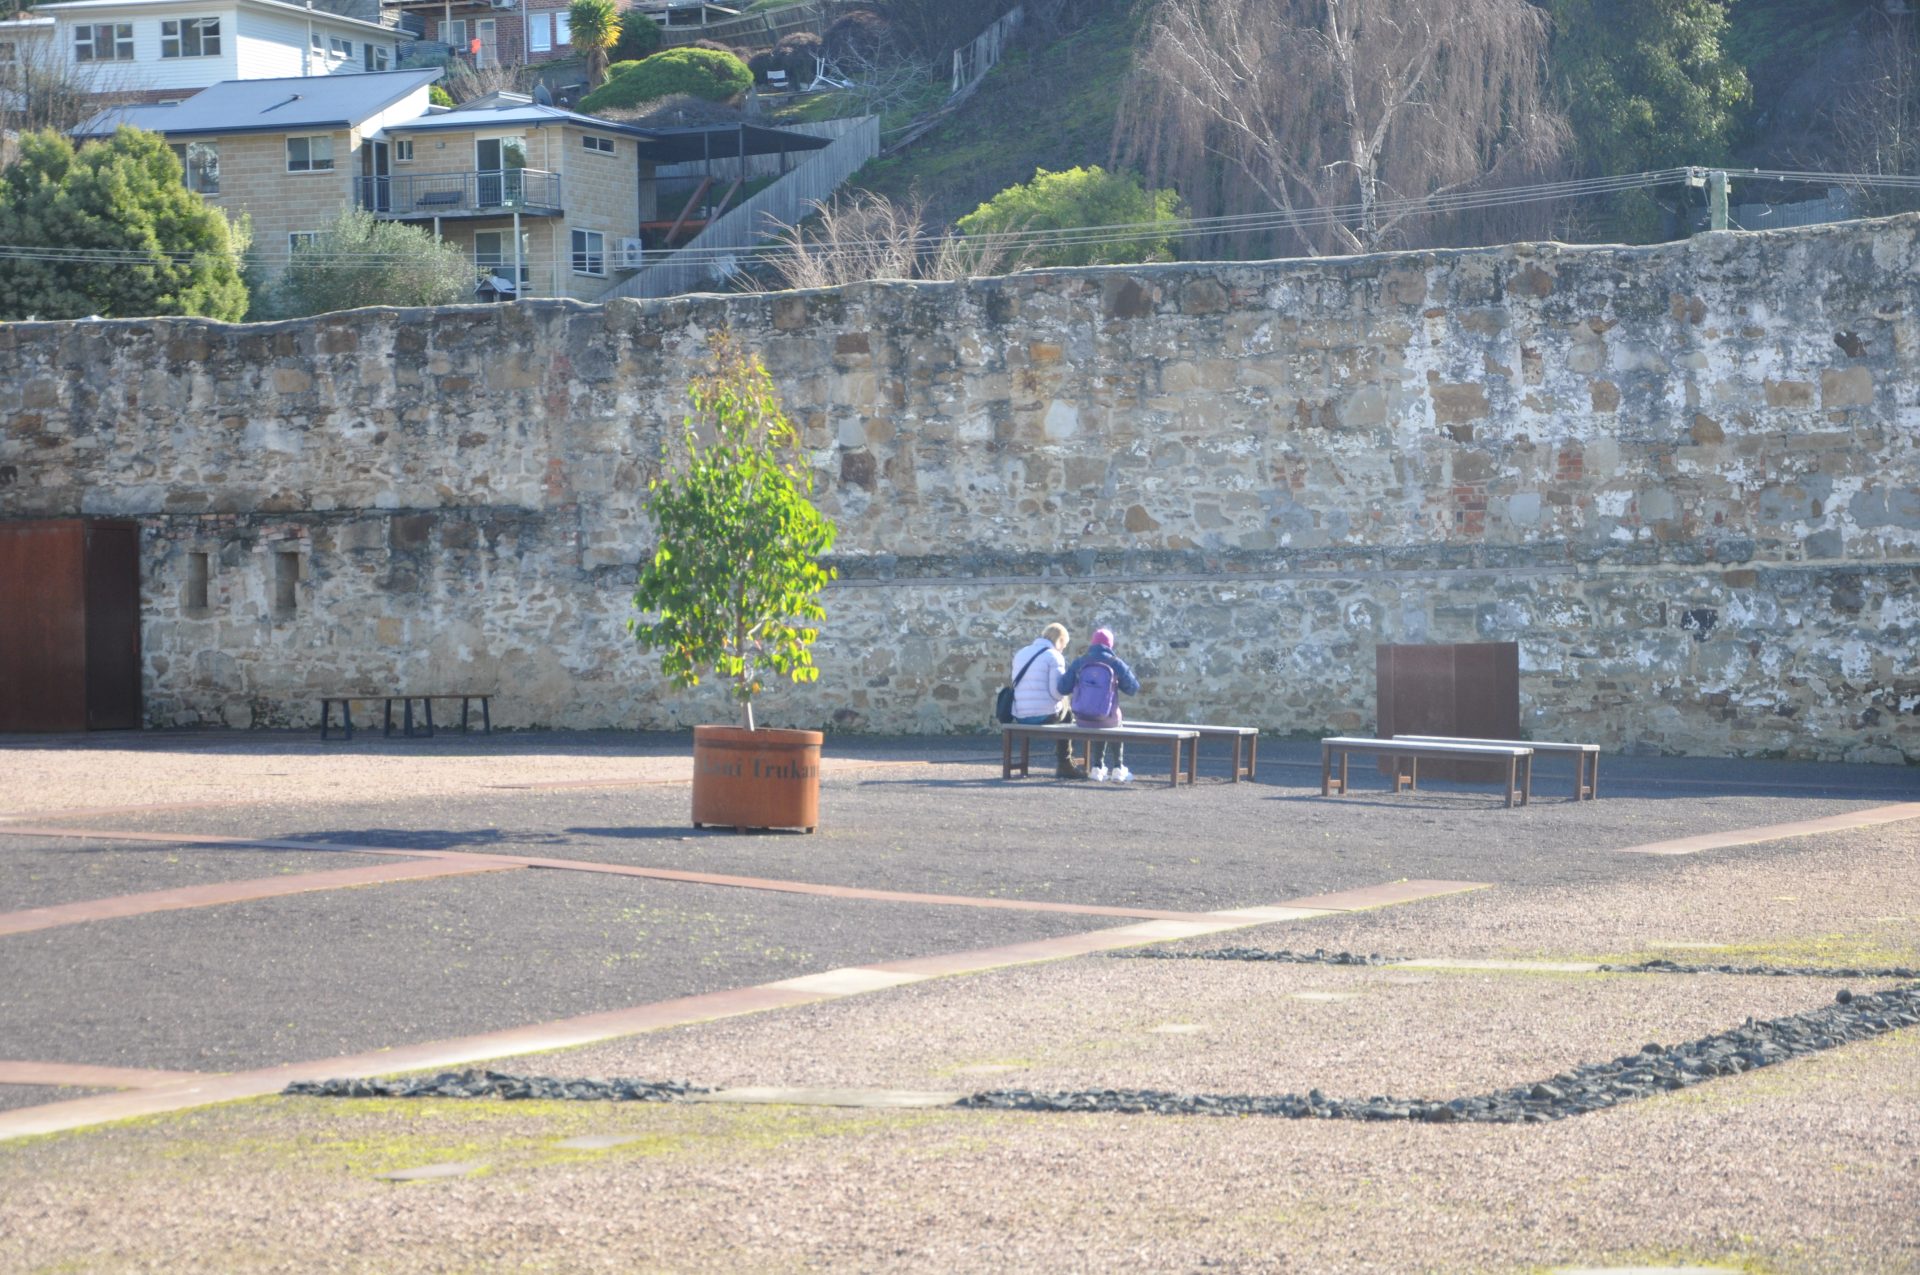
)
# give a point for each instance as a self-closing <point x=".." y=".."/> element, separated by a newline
<point x="596" y="28"/>
<point x="734" y="582"/>
<point x="1328" y="110"/>
<point x="1077" y="198"/>
<point x="112" y="230"/>
<point x="360" y="260"/>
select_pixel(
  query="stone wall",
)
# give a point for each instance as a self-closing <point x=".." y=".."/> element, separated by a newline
<point x="1685" y="479"/>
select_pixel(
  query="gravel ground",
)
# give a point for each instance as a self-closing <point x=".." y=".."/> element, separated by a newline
<point x="315" y="975"/>
<point x="13" y="1096"/>
<point x="1805" y="1167"/>
<point x="35" y="873"/>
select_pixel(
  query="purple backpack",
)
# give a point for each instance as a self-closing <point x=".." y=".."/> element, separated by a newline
<point x="1093" y="691"/>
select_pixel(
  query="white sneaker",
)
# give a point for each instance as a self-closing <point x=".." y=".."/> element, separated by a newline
<point x="1121" y="775"/>
<point x="1098" y="774"/>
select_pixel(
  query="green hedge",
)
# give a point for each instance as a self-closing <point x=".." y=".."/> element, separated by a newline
<point x="699" y="72"/>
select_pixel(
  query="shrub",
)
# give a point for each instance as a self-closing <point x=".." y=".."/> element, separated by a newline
<point x="699" y="72"/>
<point x="1076" y="198"/>
<point x="146" y="245"/>
<point x="798" y="56"/>
<point x="439" y="96"/>
<point x="639" y="38"/>
<point x="861" y="36"/>
<point x="360" y="260"/>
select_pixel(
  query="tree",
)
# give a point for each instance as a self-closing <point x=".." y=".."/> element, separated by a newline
<point x="1078" y="198"/>
<point x="596" y="28"/>
<point x="704" y="73"/>
<point x="868" y="236"/>
<point x="1646" y="82"/>
<point x="1333" y="113"/>
<point x="734" y="582"/>
<point x="115" y="231"/>
<point x="360" y="260"/>
<point x="639" y="38"/>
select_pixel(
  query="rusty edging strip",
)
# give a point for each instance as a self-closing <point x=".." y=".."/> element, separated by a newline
<point x="14" y="1071"/>
<point x="1869" y="818"/>
<point x="219" y="892"/>
<point x="584" y="1029"/>
<point x="626" y="870"/>
<point x="1380" y="896"/>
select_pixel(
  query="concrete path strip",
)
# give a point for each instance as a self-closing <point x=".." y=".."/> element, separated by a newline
<point x="14" y="1071"/>
<point x="1869" y="818"/>
<point x="219" y="892"/>
<point x="586" y="1029"/>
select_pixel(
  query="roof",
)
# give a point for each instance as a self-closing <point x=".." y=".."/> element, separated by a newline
<point x="82" y="8"/>
<point x="659" y="145"/>
<point x="287" y="105"/>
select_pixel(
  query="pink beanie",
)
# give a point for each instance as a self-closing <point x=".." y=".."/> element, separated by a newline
<point x="1102" y="637"/>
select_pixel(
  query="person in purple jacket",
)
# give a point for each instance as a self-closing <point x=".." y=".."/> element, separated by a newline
<point x="1093" y="684"/>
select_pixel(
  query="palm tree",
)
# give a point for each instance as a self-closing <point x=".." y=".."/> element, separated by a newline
<point x="596" y="25"/>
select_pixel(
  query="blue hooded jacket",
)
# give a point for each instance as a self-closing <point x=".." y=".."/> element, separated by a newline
<point x="1122" y="675"/>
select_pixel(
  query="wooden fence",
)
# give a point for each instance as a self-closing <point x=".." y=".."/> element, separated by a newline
<point x="758" y="31"/>
<point x="705" y="256"/>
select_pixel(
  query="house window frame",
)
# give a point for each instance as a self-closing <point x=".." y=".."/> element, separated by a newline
<point x="403" y="150"/>
<point x="375" y="56"/>
<point x="119" y="42"/>
<point x="447" y="31"/>
<point x="597" y="144"/>
<point x="204" y="32"/>
<point x="583" y="255"/>
<point x="562" y="28"/>
<point x="339" y="46"/>
<point x="502" y="259"/>
<point x="195" y="178"/>
<point x="539" y="34"/>
<point x="311" y="165"/>
<point x="299" y="238"/>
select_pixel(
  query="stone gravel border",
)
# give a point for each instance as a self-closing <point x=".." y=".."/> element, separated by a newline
<point x="1587" y="1087"/>
<point x="1320" y="956"/>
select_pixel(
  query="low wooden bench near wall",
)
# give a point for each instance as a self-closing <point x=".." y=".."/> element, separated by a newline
<point x="346" y="703"/>
<point x="1586" y="757"/>
<point x="1187" y="739"/>
<point x="1243" y="737"/>
<point x="1333" y="777"/>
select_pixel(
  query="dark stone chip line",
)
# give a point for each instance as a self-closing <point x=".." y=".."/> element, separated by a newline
<point x="1587" y="1087"/>
<point x="1773" y="971"/>
<point x="1320" y="956"/>
<point x="498" y="1084"/>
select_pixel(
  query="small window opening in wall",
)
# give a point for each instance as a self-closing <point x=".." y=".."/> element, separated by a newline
<point x="286" y="579"/>
<point x="196" y="582"/>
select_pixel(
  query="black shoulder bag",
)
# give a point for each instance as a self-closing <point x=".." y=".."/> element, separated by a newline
<point x="1003" y="703"/>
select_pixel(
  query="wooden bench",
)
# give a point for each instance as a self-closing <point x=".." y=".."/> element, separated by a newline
<point x="1181" y="739"/>
<point x="345" y="702"/>
<point x="1247" y="736"/>
<point x="1519" y="759"/>
<point x="1586" y="757"/>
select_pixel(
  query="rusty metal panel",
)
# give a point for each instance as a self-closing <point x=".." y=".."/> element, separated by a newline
<point x="113" y="626"/>
<point x="1469" y="689"/>
<point x="43" y="669"/>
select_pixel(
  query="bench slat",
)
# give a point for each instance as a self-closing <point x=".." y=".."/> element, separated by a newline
<point x="1519" y="759"/>
<point x="1586" y="765"/>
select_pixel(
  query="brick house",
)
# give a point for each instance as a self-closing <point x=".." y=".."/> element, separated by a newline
<point x="494" y="32"/>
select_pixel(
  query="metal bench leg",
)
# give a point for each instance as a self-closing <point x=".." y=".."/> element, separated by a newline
<point x="389" y="728"/>
<point x="1173" y="780"/>
<point x="1006" y="754"/>
<point x="1326" y="771"/>
<point x="326" y="707"/>
<point x="1593" y="789"/>
<point x="486" y="715"/>
<point x="1344" y="756"/>
<point x="1236" y="759"/>
<point x="1526" y="783"/>
<point x="1413" y="774"/>
<point x="1026" y="756"/>
<point x="1512" y="763"/>
<point x="427" y="703"/>
<point x="1193" y="760"/>
<point x="1253" y="754"/>
<point x="406" y="714"/>
<point x="463" y="714"/>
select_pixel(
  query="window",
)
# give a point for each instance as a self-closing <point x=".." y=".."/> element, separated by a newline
<point x="190" y="38"/>
<point x="563" y="27"/>
<point x="403" y="152"/>
<point x="342" y="48"/>
<point x="103" y="42"/>
<point x="200" y="164"/>
<point x="196" y="598"/>
<point x="286" y="582"/>
<point x="310" y="154"/>
<point x="299" y="239"/>
<point x="539" y="33"/>
<point x="454" y="34"/>
<point x="493" y="255"/>
<point x="319" y="41"/>
<point x="602" y="144"/>
<point x="378" y="56"/>
<point x="9" y="55"/>
<point x="589" y="252"/>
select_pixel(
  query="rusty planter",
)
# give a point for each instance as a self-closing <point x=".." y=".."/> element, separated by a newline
<point x="756" y="778"/>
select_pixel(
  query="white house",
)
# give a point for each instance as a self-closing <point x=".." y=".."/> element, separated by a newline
<point x="154" y="49"/>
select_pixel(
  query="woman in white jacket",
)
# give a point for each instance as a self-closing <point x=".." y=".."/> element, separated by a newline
<point x="1035" y="669"/>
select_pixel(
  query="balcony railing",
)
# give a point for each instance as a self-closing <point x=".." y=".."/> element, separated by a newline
<point x="460" y="194"/>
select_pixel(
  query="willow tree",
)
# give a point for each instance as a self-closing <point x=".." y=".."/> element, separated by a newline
<point x="1340" y="115"/>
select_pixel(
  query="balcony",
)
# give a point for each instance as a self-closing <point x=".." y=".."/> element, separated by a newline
<point x="532" y="192"/>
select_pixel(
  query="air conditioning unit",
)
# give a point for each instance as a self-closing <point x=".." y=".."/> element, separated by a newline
<point x="633" y="254"/>
<point x="506" y="4"/>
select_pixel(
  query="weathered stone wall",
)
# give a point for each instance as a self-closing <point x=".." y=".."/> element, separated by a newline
<point x="1685" y="479"/>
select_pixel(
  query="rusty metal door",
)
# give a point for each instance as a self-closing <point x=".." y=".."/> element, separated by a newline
<point x="43" y="626"/>
<point x="1469" y="689"/>
<point x="113" y="626"/>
